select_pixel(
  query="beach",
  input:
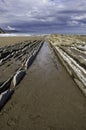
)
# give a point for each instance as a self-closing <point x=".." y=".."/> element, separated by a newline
<point x="9" y="40"/>
<point x="47" y="98"/>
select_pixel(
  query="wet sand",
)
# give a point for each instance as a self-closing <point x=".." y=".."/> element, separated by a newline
<point x="46" y="99"/>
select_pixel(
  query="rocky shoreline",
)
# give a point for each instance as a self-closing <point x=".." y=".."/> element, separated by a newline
<point x="72" y="54"/>
<point x="14" y="62"/>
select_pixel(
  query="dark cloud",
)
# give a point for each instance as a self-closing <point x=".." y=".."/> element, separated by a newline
<point x="44" y="15"/>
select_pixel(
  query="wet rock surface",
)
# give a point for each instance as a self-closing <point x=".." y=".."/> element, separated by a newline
<point x="13" y="62"/>
<point x="46" y="99"/>
<point x="72" y="53"/>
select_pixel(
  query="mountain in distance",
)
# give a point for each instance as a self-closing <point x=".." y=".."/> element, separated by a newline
<point x="11" y="31"/>
<point x="2" y="31"/>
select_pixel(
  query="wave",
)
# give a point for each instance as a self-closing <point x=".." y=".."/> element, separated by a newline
<point x="20" y="34"/>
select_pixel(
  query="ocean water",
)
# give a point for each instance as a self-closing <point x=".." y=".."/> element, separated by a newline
<point x="17" y="34"/>
<point x="40" y="34"/>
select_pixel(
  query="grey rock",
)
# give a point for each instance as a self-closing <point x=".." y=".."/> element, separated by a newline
<point x="18" y="77"/>
<point x="5" y="96"/>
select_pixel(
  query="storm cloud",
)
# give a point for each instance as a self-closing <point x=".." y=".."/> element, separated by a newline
<point x="44" y="15"/>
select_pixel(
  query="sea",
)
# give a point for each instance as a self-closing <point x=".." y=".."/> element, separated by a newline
<point x="39" y="34"/>
<point x="20" y="34"/>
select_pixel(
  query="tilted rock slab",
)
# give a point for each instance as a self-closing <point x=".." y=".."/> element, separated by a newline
<point x="5" y="96"/>
<point x="18" y="77"/>
<point x="29" y="62"/>
<point x="5" y="85"/>
<point x="74" y="69"/>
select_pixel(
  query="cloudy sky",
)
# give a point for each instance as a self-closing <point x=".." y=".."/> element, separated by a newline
<point x="44" y="16"/>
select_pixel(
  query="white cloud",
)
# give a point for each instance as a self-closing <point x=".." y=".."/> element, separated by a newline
<point x="79" y="17"/>
<point x="73" y="23"/>
<point x="34" y="8"/>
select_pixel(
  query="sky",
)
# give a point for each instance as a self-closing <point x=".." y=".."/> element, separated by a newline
<point x="44" y="16"/>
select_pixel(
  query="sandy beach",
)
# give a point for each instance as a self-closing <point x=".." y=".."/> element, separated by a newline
<point x="9" y="40"/>
<point x="47" y="98"/>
